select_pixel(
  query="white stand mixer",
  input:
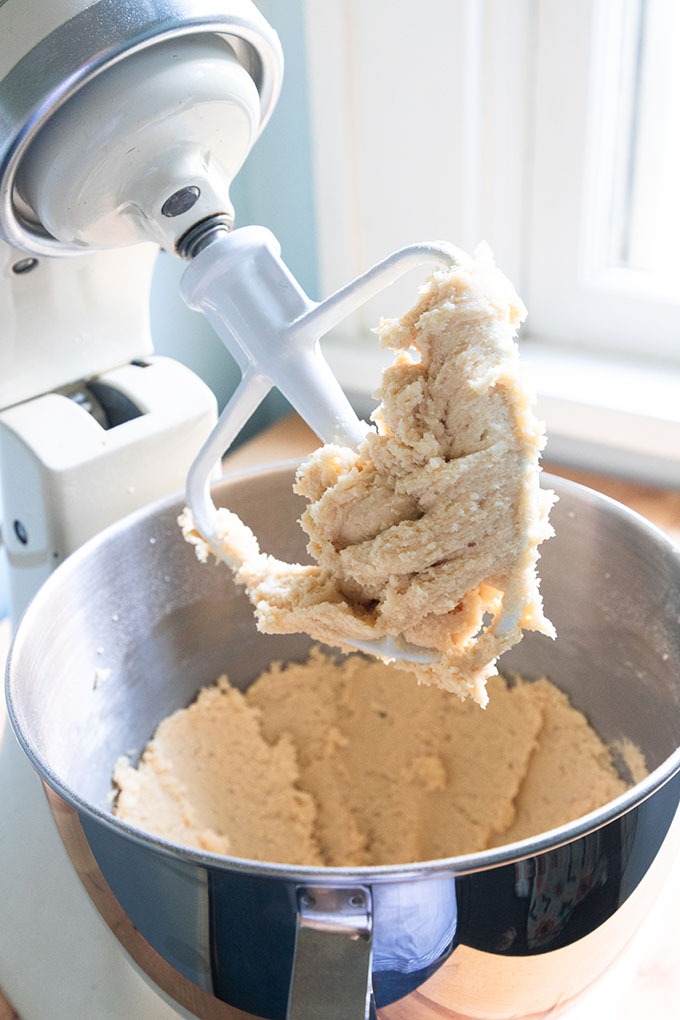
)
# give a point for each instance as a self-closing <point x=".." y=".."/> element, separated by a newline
<point x="121" y="127"/>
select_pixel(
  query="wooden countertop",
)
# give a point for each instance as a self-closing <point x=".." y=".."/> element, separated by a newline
<point x="646" y="983"/>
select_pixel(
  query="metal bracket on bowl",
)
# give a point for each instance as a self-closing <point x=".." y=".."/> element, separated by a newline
<point x="333" y="954"/>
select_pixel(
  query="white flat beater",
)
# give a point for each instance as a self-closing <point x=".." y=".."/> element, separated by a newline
<point x="272" y="329"/>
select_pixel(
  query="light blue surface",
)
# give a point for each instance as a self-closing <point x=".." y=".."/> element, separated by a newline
<point x="4" y="586"/>
<point x="276" y="186"/>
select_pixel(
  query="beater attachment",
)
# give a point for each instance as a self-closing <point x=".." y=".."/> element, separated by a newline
<point x="272" y="329"/>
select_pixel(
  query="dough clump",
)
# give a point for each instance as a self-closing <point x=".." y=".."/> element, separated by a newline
<point x="430" y="529"/>
<point x="350" y="763"/>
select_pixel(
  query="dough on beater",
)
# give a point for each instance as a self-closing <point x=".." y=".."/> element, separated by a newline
<point x="431" y="528"/>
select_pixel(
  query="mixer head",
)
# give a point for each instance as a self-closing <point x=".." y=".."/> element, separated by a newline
<point x="127" y="122"/>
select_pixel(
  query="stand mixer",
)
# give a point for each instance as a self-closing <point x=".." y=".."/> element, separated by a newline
<point x="122" y="126"/>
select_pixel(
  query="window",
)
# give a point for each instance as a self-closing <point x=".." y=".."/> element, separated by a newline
<point x="549" y="128"/>
<point x="604" y="270"/>
<point x="645" y="170"/>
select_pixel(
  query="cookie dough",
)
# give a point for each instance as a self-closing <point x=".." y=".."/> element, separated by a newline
<point x="209" y="780"/>
<point x="350" y="763"/>
<point x="431" y="528"/>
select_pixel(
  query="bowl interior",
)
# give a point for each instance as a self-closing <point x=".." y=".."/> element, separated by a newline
<point x="131" y="627"/>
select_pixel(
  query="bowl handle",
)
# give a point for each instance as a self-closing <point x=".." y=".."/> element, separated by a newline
<point x="333" y="954"/>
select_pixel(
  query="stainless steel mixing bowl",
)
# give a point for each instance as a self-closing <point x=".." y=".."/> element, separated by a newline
<point x="518" y="931"/>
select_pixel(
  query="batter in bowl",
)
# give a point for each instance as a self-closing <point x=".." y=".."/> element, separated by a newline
<point x="348" y="762"/>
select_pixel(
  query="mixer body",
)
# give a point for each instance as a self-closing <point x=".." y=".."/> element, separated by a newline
<point x="122" y="126"/>
<point x="519" y="931"/>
